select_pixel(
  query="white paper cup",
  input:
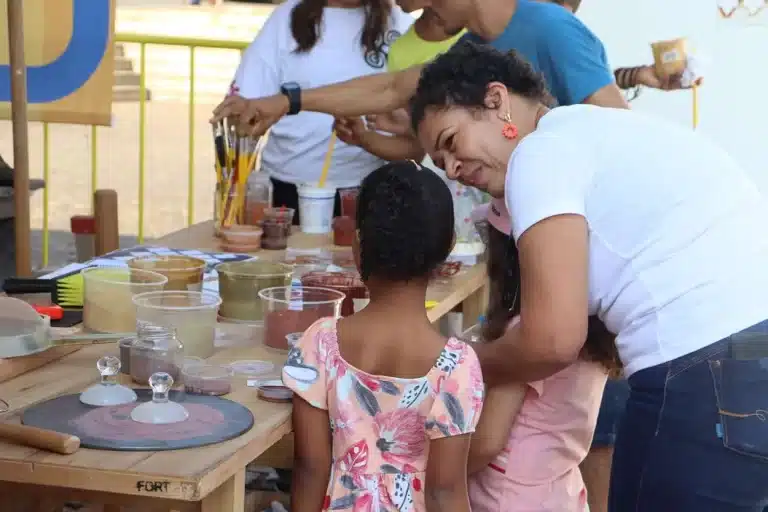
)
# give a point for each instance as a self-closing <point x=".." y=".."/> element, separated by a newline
<point x="316" y="208"/>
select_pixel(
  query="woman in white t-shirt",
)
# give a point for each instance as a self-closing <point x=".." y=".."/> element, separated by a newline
<point x="310" y="43"/>
<point x="652" y="228"/>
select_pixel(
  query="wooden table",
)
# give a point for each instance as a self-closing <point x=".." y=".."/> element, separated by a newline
<point x="209" y="479"/>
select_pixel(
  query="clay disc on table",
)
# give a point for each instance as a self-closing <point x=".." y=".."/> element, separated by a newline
<point x="211" y="420"/>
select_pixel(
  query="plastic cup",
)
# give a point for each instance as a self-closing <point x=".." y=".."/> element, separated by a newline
<point x="348" y="197"/>
<point x="240" y="283"/>
<point x="191" y="314"/>
<point x="280" y="213"/>
<point x="205" y="379"/>
<point x="108" y="296"/>
<point x="344" y="230"/>
<point x="184" y="273"/>
<point x="276" y="233"/>
<point x="292" y="309"/>
<point x="316" y="209"/>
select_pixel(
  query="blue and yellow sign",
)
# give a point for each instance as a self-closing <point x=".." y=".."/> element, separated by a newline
<point x="68" y="46"/>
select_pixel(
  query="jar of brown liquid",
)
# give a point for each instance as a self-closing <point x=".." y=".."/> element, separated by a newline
<point x="258" y="197"/>
<point x="156" y="349"/>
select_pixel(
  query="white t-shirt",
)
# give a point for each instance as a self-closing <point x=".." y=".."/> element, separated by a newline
<point x="678" y="246"/>
<point x="297" y="145"/>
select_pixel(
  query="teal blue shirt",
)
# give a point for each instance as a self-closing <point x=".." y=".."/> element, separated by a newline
<point x="571" y="58"/>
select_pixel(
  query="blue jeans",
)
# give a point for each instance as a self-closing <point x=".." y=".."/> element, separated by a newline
<point x="694" y="436"/>
<point x="612" y="407"/>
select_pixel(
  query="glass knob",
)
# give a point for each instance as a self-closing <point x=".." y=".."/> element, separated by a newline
<point x="109" y="367"/>
<point x="161" y="383"/>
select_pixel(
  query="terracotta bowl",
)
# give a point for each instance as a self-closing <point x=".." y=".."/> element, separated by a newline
<point x="239" y="248"/>
<point x="242" y="235"/>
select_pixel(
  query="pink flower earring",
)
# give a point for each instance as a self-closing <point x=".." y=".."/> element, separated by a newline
<point x="509" y="130"/>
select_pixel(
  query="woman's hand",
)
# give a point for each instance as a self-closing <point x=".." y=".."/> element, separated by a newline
<point x="648" y="77"/>
<point x="350" y="130"/>
<point x="251" y="116"/>
<point x="397" y="122"/>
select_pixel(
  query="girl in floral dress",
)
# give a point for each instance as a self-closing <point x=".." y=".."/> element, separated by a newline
<point x="384" y="406"/>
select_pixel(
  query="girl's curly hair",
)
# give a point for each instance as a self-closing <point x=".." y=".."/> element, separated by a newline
<point x="405" y="222"/>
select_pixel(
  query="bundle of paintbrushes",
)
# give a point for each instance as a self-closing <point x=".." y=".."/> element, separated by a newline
<point x="236" y="158"/>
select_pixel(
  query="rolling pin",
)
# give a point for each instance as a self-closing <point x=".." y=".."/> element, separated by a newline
<point x="43" y="439"/>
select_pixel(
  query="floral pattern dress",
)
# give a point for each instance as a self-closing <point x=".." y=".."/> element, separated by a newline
<point x="382" y="425"/>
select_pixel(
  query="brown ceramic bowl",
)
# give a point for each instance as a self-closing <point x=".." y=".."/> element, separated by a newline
<point x="242" y="235"/>
<point x="241" y="249"/>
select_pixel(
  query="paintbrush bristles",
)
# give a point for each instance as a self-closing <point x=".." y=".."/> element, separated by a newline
<point x="235" y="160"/>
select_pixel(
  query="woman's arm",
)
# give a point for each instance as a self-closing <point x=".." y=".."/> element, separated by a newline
<point x="374" y="94"/>
<point x="502" y="404"/>
<point x="553" y="313"/>
<point x="352" y="130"/>
<point x="397" y="122"/>
<point x="311" y="456"/>
<point x="446" y="487"/>
<point x="395" y="147"/>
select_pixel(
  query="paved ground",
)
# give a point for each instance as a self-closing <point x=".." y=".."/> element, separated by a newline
<point x="166" y="170"/>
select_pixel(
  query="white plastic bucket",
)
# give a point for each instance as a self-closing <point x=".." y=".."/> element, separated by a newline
<point x="316" y="208"/>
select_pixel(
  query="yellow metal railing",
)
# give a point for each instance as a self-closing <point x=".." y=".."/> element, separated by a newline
<point x="143" y="41"/>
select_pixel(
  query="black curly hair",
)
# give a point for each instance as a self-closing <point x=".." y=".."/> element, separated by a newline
<point x="504" y="303"/>
<point x="404" y="221"/>
<point x="460" y="77"/>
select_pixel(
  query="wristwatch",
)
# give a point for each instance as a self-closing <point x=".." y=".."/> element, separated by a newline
<point x="293" y="92"/>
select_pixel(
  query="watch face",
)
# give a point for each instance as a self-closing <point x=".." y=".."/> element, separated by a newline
<point x="291" y="86"/>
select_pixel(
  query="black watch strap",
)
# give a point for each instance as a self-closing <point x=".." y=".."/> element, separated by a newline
<point x="292" y="91"/>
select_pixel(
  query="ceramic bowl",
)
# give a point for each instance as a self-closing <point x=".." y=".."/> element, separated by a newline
<point x="242" y="235"/>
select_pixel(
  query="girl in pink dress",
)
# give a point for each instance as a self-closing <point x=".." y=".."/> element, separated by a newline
<point x="532" y="437"/>
<point x="384" y="406"/>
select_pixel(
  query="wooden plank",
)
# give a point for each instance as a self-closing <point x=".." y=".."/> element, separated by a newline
<point x="60" y="495"/>
<point x="10" y="368"/>
<point x="228" y="497"/>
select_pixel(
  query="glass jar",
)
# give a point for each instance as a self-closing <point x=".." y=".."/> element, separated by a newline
<point x="344" y="231"/>
<point x="156" y="349"/>
<point x="275" y="234"/>
<point x="348" y="198"/>
<point x="258" y="198"/>
<point x="228" y="206"/>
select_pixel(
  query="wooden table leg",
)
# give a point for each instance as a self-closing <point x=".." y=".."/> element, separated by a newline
<point x="474" y="306"/>
<point x="229" y="497"/>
